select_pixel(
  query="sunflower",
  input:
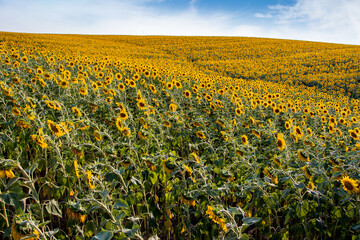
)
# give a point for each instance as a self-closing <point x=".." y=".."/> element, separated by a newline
<point x="121" y="86"/>
<point x="307" y="173"/>
<point x="153" y="89"/>
<point x="21" y="230"/>
<point x="338" y="132"/>
<point x="89" y="178"/>
<point x="83" y="91"/>
<point x="187" y="93"/>
<point x="276" y="110"/>
<point x="39" y="71"/>
<point x="141" y="104"/>
<point x="178" y="84"/>
<point x="123" y="115"/>
<point x="256" y="133"/>
<point x="126" y="132"/>
<point x="188" y="201"/>
<point x="276" y="161"/>
<point x="167" y="124"/>
<point x="55" y="128"/>
<point x="21" y="123"/>
<point x="244" y="140"/>
<point x="143" y="123"/>
<point x="350" y="185"/>
<point x="63" y="83"/>
<point x="311" y="185"/>
<point x="309" y="131"/>
<point x="280" y="142"/>
<point x="200" y="134"/>
<point x="39" y="139"/>
<point x="48" y="76"/>
<point x="76" y="169"/>
<point x="118" y="124"/>
<point x="141" y="135"/>
<point x="16" y="112"/>
<point x="238" y="111"/>
<point x="302" y="157"/>
<point x="8" y="173"/>
<point x="354" y="135"/>
<point x="94" y="86"/>
<point x="97" y="136"/>
<point x="132" y="83"/>
<point x="173" y="107"/>
<point x="298" y="132"/>
<point x="169" y="85"/>
<point x="76" y="111"/>
<point x="118" y="76"/>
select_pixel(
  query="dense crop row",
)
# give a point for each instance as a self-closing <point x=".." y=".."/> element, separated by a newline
<point x="178" y="137"/>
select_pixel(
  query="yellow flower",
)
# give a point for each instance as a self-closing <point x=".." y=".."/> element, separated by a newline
<point x="196" y="158"/>
<point x="187" y="201"/>
<point x="76" y="111"/>
<point x="123" y="115"/>
<point x="298" y="132"/>
<point x="200" y="135"/>
<point x="350" y="185"/>
<point x="173" y="107"/>
<point x="8" y="173"/>
<point x="280" y="142"/>
<point x="39" y="139"/>
<point x="16" y="112"/>
<point x="97" y="136"/>
<point x="89" y="174"/>
<point x="302" y="157"/>
<point x="244" y="140"/>
<point x="76" y="169"/>
<point x="307" y="173"/>
<point x="311" y="185"/>
<point x="56" y="128"/>
<point x="141" y="104"/>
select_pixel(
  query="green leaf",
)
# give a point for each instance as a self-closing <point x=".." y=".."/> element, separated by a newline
<point x="52" y="207"/>
<point x="90" y="228"/>
<point x="250" y="221"/>
<point x="121" y="203"/>
<point x="244" y="236"/>
<point x="103" y="236"/>
<point x="302" y="209"/>
<point x="235" y="211"/>
<point x="356" y="227"/>
<point x="33" y="168"/>
<point x="153" y="177"/>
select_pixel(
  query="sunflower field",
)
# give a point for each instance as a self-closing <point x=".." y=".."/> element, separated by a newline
<point x="154" y="137"/>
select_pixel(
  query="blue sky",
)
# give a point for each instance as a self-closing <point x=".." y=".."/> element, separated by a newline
<point x="335" y="21"/>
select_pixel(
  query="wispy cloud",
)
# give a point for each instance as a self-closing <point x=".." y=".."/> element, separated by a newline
<point x="323" y="20"/>
<point x="317" y="20"/>
<point x="111" y="17"/>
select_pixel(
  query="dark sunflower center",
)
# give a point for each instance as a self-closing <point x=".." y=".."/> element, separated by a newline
<point x="348" y="186"/>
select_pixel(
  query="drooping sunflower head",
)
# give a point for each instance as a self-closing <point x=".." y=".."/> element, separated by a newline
<point x="173" y="107"/>
<point x="200" y="134"/>
<point x="280" y="142"/>
<point x="15" y="111"/>
<point x="298" y="132"/>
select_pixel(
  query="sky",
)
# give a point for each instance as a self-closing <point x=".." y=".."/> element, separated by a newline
<point x="336" y="21"/>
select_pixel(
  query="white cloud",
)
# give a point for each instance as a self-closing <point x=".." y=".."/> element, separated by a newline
<point x="261" y="15"/>
<point x="114" y="17"/>
<point x="316" y="20"/>
<point x="323" y="20"/>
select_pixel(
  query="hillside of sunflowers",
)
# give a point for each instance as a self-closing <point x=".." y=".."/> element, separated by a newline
<point x="155" y="137"/>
